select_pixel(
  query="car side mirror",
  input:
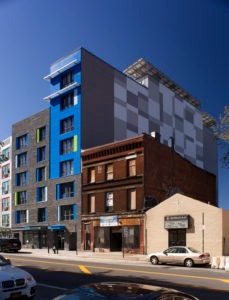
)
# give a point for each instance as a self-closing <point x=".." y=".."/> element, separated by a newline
<point x="165" y="253"/>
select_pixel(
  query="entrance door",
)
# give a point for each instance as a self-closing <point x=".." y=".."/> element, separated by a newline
<point x="116" y="239"/>
<point x="177" y="237"/>
<point x="87" y="245"/>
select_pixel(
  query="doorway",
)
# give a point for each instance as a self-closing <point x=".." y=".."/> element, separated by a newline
<point x="116" y="239"/>
<point x="177" y="237"/>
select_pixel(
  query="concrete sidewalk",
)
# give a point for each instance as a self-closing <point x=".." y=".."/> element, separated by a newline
<point x="88" y="255"/>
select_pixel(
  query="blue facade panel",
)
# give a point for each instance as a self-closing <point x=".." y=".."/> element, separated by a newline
<point x="57" y="115"/>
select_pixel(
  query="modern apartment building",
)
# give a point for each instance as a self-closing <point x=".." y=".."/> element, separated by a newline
<point x="91" y="104"/>
<point x="5" y="190"/>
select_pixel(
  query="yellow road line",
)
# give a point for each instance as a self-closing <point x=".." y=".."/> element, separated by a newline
<point x="125" y="270"/>
<point x="85" y="270"/>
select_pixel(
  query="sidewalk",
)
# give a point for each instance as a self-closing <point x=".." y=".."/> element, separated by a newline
<point x="65" y="255"/>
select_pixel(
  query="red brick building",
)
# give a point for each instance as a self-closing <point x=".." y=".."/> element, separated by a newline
<point x="121" y="180"/>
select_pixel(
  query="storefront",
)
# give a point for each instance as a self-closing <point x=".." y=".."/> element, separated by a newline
<point x="177" y="226"/>
<point x="46" y="237"/>
<point x="114" y="234"/>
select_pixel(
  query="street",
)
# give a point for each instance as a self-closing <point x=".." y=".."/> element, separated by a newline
<point x="54" y="276"/>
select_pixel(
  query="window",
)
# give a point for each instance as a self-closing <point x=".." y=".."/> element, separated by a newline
<point x="21" y="160"/>
<point x="131" y="167"/>
<point x="22" y="141"/>
<point x="6" y="153"/>
<point x="132" y="237"/>
<point x="67" y="101"/>
<point x="21" y="197"/>
<point x="131" y="198"/>
<point x="91" y="175"/>
<point x="5" y="204"/>
<point x="109" y="172"/>
<point x="42" y="214"/>
<point x="40" y="174"/>
<point x="67" y="79"/>
<point x="67" y="212"/>
<point x="41" y="154"/>
<point x="41" y="134"/>
<point x="67" y="146"/>
<point x="6" y="187"/>
<point x="67" y="125"/>
<point x="66" y="168"/>
<point x="5" y="171"/>
<point x="91" y="204"/>
<point x="65" y="190"/>
<point x="6" y="220"/>
<point x="109" y="202"/>
<point x="41" y="193"/>
<point x="21" y="216"/>
<point x="22" y="179"/>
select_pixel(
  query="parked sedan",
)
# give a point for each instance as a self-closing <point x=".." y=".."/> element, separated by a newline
<point x="186" y="256"/>
<point x="15" y="282"/>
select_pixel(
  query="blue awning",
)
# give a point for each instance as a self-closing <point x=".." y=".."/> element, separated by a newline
<point x="57" y="227"/>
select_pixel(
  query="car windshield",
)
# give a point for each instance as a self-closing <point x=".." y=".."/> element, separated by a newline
<point x="193" y="250"/>
<point x="3" y="261"/>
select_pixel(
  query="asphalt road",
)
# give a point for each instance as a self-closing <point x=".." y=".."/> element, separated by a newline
<point x="54" y="276"/>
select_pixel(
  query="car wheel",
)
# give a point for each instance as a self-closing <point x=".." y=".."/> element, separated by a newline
<point x="154" y="260"/>
<point x="189" y="263"/>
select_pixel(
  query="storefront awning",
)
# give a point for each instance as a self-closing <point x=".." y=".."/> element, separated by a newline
<point x="57" y="227"/>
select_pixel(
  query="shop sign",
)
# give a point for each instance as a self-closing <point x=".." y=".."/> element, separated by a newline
<point x="109" y="221"/>
<point x="176" y="222"/>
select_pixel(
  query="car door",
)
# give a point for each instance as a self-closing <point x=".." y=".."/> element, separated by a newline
<point x="170" y="255"/>
<point x="181" y="253"/>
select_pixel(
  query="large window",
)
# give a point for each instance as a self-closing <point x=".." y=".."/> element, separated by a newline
<point x="131" y="198"/>
<point x="5" y="204"/>
<point x="67" y="146"/>
<point x="41" y="134"/>
<point x="65" y="190"/>
<point x="109" y="202"/>
<point x="21" y="160"/>
<point x="21" y="216"/>
<point x="109" y="172"/>
<point x="132" y="237"/>
<point x="22" y="141"/>
<point x="67" y="212"/>
<point x="91" y="175"/>
<point x="5" y="187"/>
<point x="91" y="204"/>
<point x="67" y="125"/>
<point x="5" y="220"/>
<point x="6" y="153"/>
<point x="41" y="174"/>
<point x="66" y="168"/>
<point x="67" y="101"/>
<point x="41" y="193"/>
<point x="21" y="197"/>
<point x="42" y="214"/>
<point x="22" y="179"/>
<point x="41" y="154"/>
<point x="5" y="171"/>
<point x="131" y="167"/>
<point x="67" y="79"/>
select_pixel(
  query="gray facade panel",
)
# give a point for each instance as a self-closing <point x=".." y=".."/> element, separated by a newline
<point x="97" y="101"/>
<point x="132" y="99"/>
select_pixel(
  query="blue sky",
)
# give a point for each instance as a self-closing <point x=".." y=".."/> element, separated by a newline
<point x="186" y="40"/>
